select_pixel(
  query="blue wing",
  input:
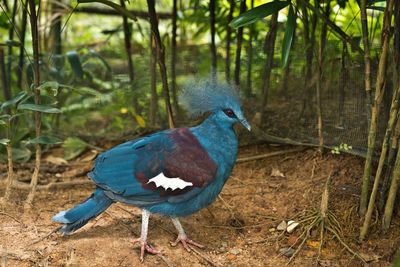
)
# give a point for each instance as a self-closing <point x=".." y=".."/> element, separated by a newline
<point x="125" y="170"/>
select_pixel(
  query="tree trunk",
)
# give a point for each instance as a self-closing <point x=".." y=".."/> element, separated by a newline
<point x="153" y="81"/>
<point x="239" y="40"/>
<point x="161" y="60"/>
<point x="379" y="92"/>
<point x="228" y="42"/>
<point x="269" y="47"/>
<point x="173" y="58"/>
<point x="213" y="47"/>
<point x="128" y="50"/>
<point x="36" y="83"/>
<point x="22" y="47"/>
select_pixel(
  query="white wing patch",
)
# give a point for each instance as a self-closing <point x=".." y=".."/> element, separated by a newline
<point x="165" y="182"/>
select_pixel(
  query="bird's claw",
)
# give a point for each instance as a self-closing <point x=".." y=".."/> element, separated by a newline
<point x="145" y="246"/>
<point x="186" y="242"/>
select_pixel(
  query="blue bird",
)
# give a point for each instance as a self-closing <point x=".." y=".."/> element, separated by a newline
<point x="174" y="172"/>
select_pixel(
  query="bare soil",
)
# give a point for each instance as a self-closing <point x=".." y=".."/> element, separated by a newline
<point x="239" y="230"/>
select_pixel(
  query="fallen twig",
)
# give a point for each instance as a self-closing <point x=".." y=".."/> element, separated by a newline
<point x="46" y="236"/>
<point x="268" y="155"/>
<point x="198" y="253"/>
<point x="58" y="185"/>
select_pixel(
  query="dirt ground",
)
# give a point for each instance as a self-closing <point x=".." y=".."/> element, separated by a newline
<point x="237" y="230"/>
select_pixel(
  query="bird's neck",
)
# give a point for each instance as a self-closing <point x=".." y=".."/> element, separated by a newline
<point x="218" y="138"/>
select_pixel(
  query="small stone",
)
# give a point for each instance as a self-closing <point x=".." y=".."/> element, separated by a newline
<point x="271" y="230"/>
<point x="58" y="175"/>
<point x="234" y="251"/>
<point x="282" y="226"/>
<point x="288" y="252"/>
<point x="291" y="226"/>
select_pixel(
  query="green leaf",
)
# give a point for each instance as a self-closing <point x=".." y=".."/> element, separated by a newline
<point x="378" y="8"/>
<point x="53" y="85"/>
<point x="3" y="122"/>
<point x="14" y="100"/>
<point x="40" y="108"/>
<point x="4" y="141"/>
<point x="21" y="154"/>
<point x="258" y="13"/>
<point x="288" y="37"/>
<point x="45" y="140"/>
<point x="75" y="62"/>
<point x="73" y="147"/>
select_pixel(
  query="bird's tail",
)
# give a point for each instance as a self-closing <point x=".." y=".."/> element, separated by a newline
<point x="79" y="215"/>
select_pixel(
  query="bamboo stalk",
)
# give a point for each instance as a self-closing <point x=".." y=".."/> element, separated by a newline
<point x="10" y="171"/>
<point x="22" y="47"/>
<point x="239" y="40"/>
<point x="389" y="130"/>
<point x="342" y="84"/>
<point x="128" y="50"/>
<point x="391" y="158"/>
<point x="269" y="48"/>
<point x="319" y="80"/>
<point x="212" y="46"/>
<point x="250" y="57"/>
<point x="11" y="38"/>
<point x="228" y="41"/>
<point x="3" y="73"/>
<point x="379" y="92"/>
<point x="394" y="186"/>
<point x="36" y="82"/>
<point x="173" y="58"/>
<point x="153" y="81"/>
<point x="367" y="58"/>
<point x="161" y="60"/>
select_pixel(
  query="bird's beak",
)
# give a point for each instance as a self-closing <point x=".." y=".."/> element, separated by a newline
<point x="246" y="124"/>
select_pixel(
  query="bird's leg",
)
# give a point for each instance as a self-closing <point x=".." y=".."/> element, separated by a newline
<point x="182" y="237"/>
<point x="142" y="240"/>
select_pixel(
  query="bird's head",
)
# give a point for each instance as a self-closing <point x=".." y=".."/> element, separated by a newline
<point x="220" y="99"/>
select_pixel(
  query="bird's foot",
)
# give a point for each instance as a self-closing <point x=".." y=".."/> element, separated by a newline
<point x="145" y="246"/>
<point x="186" y="242"/>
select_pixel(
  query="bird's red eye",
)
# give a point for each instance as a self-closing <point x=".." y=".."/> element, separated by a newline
<point x="229" y="112"/>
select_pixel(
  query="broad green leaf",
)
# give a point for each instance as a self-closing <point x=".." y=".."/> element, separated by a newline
<point x="45" y="140"/>
<point x="14" y="100"/>
<point x="4" y="141"/>
<point x="73" y="147"/>
<point x="88" y="91"/>
<point x="75" y="62"/>
<point x="288" y="37"/>
<point x="258" y="13"/>
<point x="40" y="108"/>
<point x="5" y="116"/>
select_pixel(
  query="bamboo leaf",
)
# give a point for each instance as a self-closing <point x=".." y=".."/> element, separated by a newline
<point x="53" y="85"/>
<point x="13" y="101"/>
<point x="75" y="62"/>
<point x="258" y="13"/>
<point x="40" y="108"/>
<point x="4" y="141"/>
<point x="45" y="140"/>
<point x="288" y="37"/>
<point x="3" y="122"/>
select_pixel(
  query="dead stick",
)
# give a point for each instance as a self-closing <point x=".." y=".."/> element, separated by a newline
<point x="263" y="156"/>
